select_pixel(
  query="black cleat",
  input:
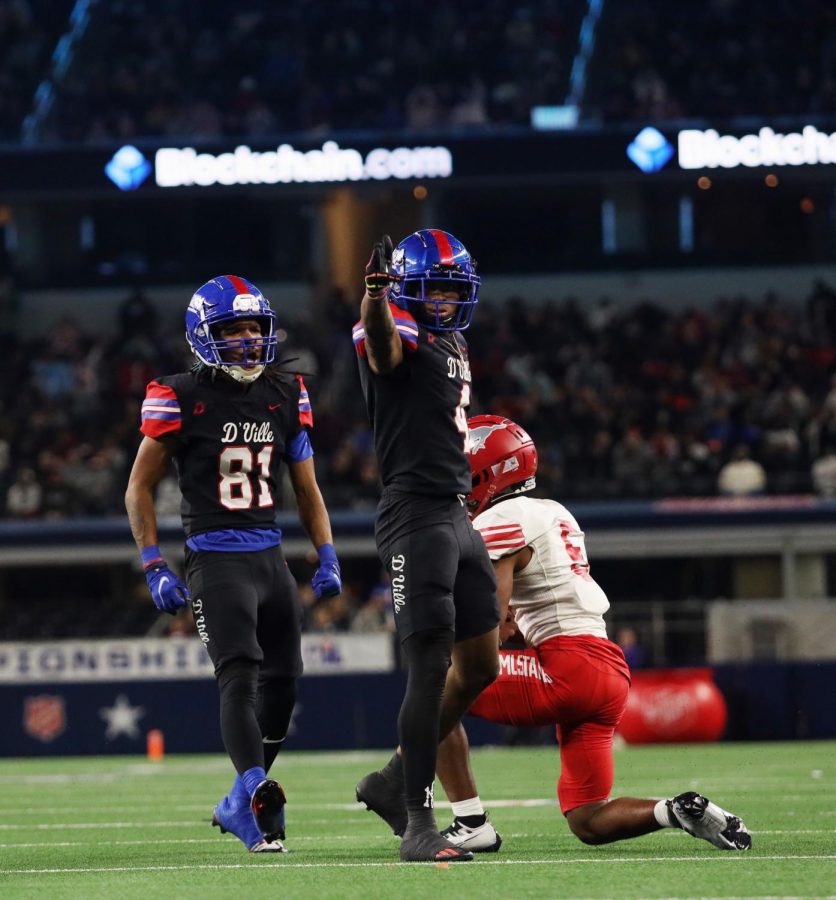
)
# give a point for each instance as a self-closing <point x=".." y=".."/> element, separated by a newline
<point x="268" y="808"/>
<point x="701" y="818"/>
<point x="430" y="846"/>
<point x="384" y="796"/>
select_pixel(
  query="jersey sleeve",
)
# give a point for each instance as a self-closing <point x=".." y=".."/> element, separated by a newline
<point x="305" y="408"/>
<point x="298" y="448"/>
<point x="407" y="329"/>
<point x="502" y="531"/>
<point x="160" y="411"/>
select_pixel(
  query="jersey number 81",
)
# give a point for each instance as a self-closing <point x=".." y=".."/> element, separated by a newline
<point x="235" y="466"/>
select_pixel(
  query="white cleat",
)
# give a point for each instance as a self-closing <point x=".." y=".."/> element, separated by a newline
<point x="703" y="819"/>
<point x="265" y="846"/>
<point x="481" y="839"/>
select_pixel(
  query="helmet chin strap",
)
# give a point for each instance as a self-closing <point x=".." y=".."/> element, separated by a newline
<point x="242" y="374"/>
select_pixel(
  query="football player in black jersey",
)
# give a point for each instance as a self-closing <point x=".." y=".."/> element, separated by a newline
<point x="415" y="375"/>
<point x="228" y="424"/>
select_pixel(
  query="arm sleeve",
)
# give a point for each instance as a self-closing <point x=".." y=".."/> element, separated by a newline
<point x="405" y="324"/>
<point x="160" y="411"/>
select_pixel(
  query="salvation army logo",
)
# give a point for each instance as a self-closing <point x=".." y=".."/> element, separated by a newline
<point x="44" y="717"/>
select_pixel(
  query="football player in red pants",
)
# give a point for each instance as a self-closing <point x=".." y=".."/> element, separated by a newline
<point x="570" y="675"/>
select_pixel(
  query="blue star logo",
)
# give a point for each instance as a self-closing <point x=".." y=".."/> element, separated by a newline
<point x="128" y="168"/>
<point x="650" y="150"/>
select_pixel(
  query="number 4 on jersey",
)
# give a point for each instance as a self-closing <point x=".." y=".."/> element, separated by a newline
<point x="461" y="416"/>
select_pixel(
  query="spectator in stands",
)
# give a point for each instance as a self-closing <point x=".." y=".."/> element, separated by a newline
<point x="631" y="647"/>
<point x="376" y="613"/>
<point x="631" y="461"/>
<point x="823" y="474"/>
<point x="24" y="497"/>
<point x="741" y="476"/>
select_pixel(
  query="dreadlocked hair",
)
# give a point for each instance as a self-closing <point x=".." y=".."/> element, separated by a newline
<point x="275" y="373"/>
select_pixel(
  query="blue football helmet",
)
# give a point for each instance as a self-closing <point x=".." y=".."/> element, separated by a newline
<point x="225" y="299"/>
<point x="429" y="260"/>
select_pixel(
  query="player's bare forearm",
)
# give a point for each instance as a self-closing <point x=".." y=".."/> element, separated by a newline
<point x="383" y="343"/>
<point x="141" y="517"/>
<point x="152" y="462"/>
<point x="313" y="515"/>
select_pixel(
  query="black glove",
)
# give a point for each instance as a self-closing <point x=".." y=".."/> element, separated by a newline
<point x="378" y="268"/>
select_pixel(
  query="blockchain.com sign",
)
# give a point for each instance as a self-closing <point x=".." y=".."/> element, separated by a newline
<point x="332" y="164"/>
<point x="709" y="149"/>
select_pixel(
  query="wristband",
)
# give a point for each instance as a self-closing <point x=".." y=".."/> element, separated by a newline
<point x="150" y="556"/>
<point x="327" y="554"/>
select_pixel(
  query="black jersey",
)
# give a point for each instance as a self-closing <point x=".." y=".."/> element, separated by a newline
<point x="231" y="440"/>
<point x="419" y="411"/>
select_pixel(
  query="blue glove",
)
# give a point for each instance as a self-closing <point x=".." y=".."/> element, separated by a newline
<point x="327" y="581"/>
<point x="167" y="591"/>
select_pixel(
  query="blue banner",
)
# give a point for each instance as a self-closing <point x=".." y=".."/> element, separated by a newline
<point x="332" y="713"/>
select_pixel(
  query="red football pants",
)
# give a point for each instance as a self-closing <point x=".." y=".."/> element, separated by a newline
<point x="578" y="684"/>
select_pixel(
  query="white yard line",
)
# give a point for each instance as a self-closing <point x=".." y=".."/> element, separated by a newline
<point x="302" y="838"/>
<point x="596" y="860"/>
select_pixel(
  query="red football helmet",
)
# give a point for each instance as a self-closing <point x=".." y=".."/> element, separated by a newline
<point x="503" y="460"/>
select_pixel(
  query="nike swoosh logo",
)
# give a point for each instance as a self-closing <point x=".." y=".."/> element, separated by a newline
<point x="160" y="586"/>
<point x="272" y="406"/>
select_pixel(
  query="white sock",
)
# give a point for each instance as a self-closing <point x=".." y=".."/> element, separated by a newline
<point x="472" y="807"/>
<point x="661" y="814"/>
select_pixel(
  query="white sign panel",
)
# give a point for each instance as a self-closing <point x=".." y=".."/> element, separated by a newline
<point x="709" y="149"/>
<point x="185" y="167"/>
<point x="164" y="659"/>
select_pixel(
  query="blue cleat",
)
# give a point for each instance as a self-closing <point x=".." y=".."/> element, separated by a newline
<point x="241" y="823"/>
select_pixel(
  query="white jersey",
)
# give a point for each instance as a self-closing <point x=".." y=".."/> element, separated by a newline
<point x="554" y="594"/>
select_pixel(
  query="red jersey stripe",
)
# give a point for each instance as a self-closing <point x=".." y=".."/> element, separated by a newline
<point x="305" y="408"/>
<point x="510" y="531"/>
<point x="160" y="411"/>
<point x="511" y="526"/>
<point x="444" y="248"/>
<point x="504" y="542"/>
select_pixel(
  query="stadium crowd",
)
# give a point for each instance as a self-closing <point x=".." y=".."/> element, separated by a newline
<point x="633" y="402"/>
<point x="29" y="32"/>
<point x="258" y="69"/>
<point x="626" y="402"/>
<point x="722" y="59"/>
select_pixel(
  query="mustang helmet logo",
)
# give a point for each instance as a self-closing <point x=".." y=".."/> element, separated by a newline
<point x="478" y="436"/>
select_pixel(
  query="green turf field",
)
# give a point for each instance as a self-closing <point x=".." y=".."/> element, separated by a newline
<point x="122" y="827"/>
